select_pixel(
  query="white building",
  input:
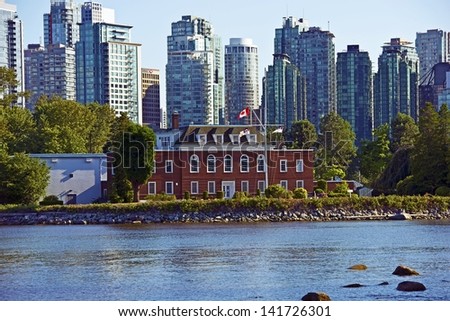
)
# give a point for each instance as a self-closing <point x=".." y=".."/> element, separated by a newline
<point x="76" y="178"/>
<point x="241" y="78"/>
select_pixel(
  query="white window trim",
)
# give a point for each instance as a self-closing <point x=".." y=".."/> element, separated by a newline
<point x="166" y="190"/>
<point x="194" y="156"/>
<point x="261" y="157"/>
<point x="300" y="183"/>
<point x="171" y="166"/>
<point x="154" y="188"/>
<point x="299" y="161"/>
<point x="262" y="183"/>
<point x="194" y="187"/>
<point x="245" y="189"/>
<point x="207" y="164"/>
<point x="213" y="184"/>
<point x="284" y="184"/>
<point x="231" y="164"/>
<point x="248" y="163"/>
<point x="283" y="161"/>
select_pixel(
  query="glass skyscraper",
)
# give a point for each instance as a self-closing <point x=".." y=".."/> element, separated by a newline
<point x="61" y="24"/>
<point x="241" y="79"/>
<point x="108" y="64"/>
<point x="194" y="79"/>
<point x="354" y="91"/>
<point x="313" y="52"/>
<point x="396" y="82"/>
<point x="284" y="95"/>
<point x="11" y="55"/>
<point x="432" y="47"/>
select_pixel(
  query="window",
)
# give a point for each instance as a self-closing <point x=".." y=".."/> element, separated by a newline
<point x="211" y="164"/>
<point x="194" y="187"/>
<point x="228" y="164"/>
<point x="299" y="184"/>
<point x="235" y="139"/>
<point x="218" y="139"/>
<point x="284" y="184"/>
<point x="201" y="138"/>
<point x="194" y="164"/>
<point x="251" y="139"/>
<point x="151" y="188"/>
<point x="262" y="186"/>
<point x="283" y="165"/>
<point x="261" y="162"/>
<point x="169" y="188"/>
<point x="299" y="165"/>
<point x="244" y="164"/>
<point x="169" y="166"/>
<point x="211" y="187"/>
<point x="244" y="186"/>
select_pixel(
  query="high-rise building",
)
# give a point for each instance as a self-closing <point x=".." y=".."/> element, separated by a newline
<point x="61" y="24"/>
<point x="241" y="79"/>
<point x="396" y="82"/>
<point x="354" y="91"/>
<point x="432" y="47"/>
<point x="433" y="84"/>
<point x="151" y="108"/>
<point x="108" y="63"/>
<point x="194" y="79"/>
<point x="50" y="72"/>
<point x="313" y="52"/>
<point x="11" y="42"/>
<point x="284" y="93"/>
<point x="444" y="95"/>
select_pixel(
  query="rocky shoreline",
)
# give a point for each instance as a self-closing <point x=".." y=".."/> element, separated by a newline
<point x="247" y="216"/>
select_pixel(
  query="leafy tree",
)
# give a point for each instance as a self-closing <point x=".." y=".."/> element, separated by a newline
<point x="133" y="152"/>
<point x="21" y="129"/>
<point x="8" y="82"/>
<point x="398" y="168"/>
<point x="336" y="144"/>
<point x="375" y="155"/>
<point x="429" y="164"/>
<point x="333" y="172"/>
<point x="69" y="127"/>
<point x="303" y="134"/>
<point x="404" y="132"/>
<point x="23" y="180"/>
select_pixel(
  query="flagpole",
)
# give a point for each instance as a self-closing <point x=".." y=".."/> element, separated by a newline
<point x="266" y="169"/>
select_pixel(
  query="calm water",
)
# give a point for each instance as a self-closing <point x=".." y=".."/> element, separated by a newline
<point x="280" y="261"/>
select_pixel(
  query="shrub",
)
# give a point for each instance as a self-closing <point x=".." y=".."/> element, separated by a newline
<point x="300" y="193"/>
<point x="161" y="197"/>
<point x="442" y="191"/>
<point x="277" y="191"/>
<point x="51" y="200"/>
<point x="219" y="195"/>
<point x="187" y="195"/>
<point x="205" y="195"/>
<point x="341" y="188"/>
<point x="322" y="184"/>
<point x="239" y="196"/>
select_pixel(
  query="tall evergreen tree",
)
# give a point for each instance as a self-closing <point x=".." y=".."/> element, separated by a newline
<point x="404" y="132"/>
<point x="303" y="134"/>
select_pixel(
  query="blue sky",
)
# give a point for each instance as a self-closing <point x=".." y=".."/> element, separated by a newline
<point x="369" y="24"/>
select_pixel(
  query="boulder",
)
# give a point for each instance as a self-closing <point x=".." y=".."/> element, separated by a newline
<point x="400" y="216"/>
<point x="316" y="296"/>
<point x="410" y="286"/>
<point x="384" y="283"/>
<point x="353" y="285"/>
<point x="358" y="267"/>
<point x="404" y="271"/>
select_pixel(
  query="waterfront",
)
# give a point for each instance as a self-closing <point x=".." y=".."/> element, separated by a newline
<point x="264" y="261"/>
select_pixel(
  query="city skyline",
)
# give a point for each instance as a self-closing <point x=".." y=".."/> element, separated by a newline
<point x="350" y="21"/>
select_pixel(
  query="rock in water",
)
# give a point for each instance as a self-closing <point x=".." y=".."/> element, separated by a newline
<point x="316" y="296"/>
<point x="353" y="285"/>
<point x="410" y="286"/>
<point x="359" y="267"/>
<point x="404" y="271"/>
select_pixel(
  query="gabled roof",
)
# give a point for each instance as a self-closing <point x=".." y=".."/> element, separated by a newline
<point x="192" y="133"/>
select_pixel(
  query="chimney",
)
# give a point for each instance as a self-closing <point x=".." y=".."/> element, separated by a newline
<point x="175" y="120"/>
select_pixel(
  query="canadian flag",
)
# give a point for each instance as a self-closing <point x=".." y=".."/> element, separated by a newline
<point x="244" y="113"/>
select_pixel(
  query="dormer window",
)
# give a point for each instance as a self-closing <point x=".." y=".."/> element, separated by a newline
<point x="235" y="139"/>
<point x="201" y="139"/>
<point x="251" y="139"/>
<point x="218" y="139"/>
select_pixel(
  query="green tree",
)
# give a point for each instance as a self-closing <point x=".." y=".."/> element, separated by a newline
<point x="429" y="165"/>
<point x="333" y="172"/>
<point x="336" y="144"/>
<point x="404" y="132"/>
<point x="133" y="151"/>
<point x="23" y="180"/>
<point x="8" y="82"/>
<point x="303" y="134"/>
<point x="21" y="129"/>
<point x="375" y="155"/>
<point x="100" y="128"/>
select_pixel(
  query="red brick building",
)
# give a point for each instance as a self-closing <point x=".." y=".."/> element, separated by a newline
<point x="228" y="158"/>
